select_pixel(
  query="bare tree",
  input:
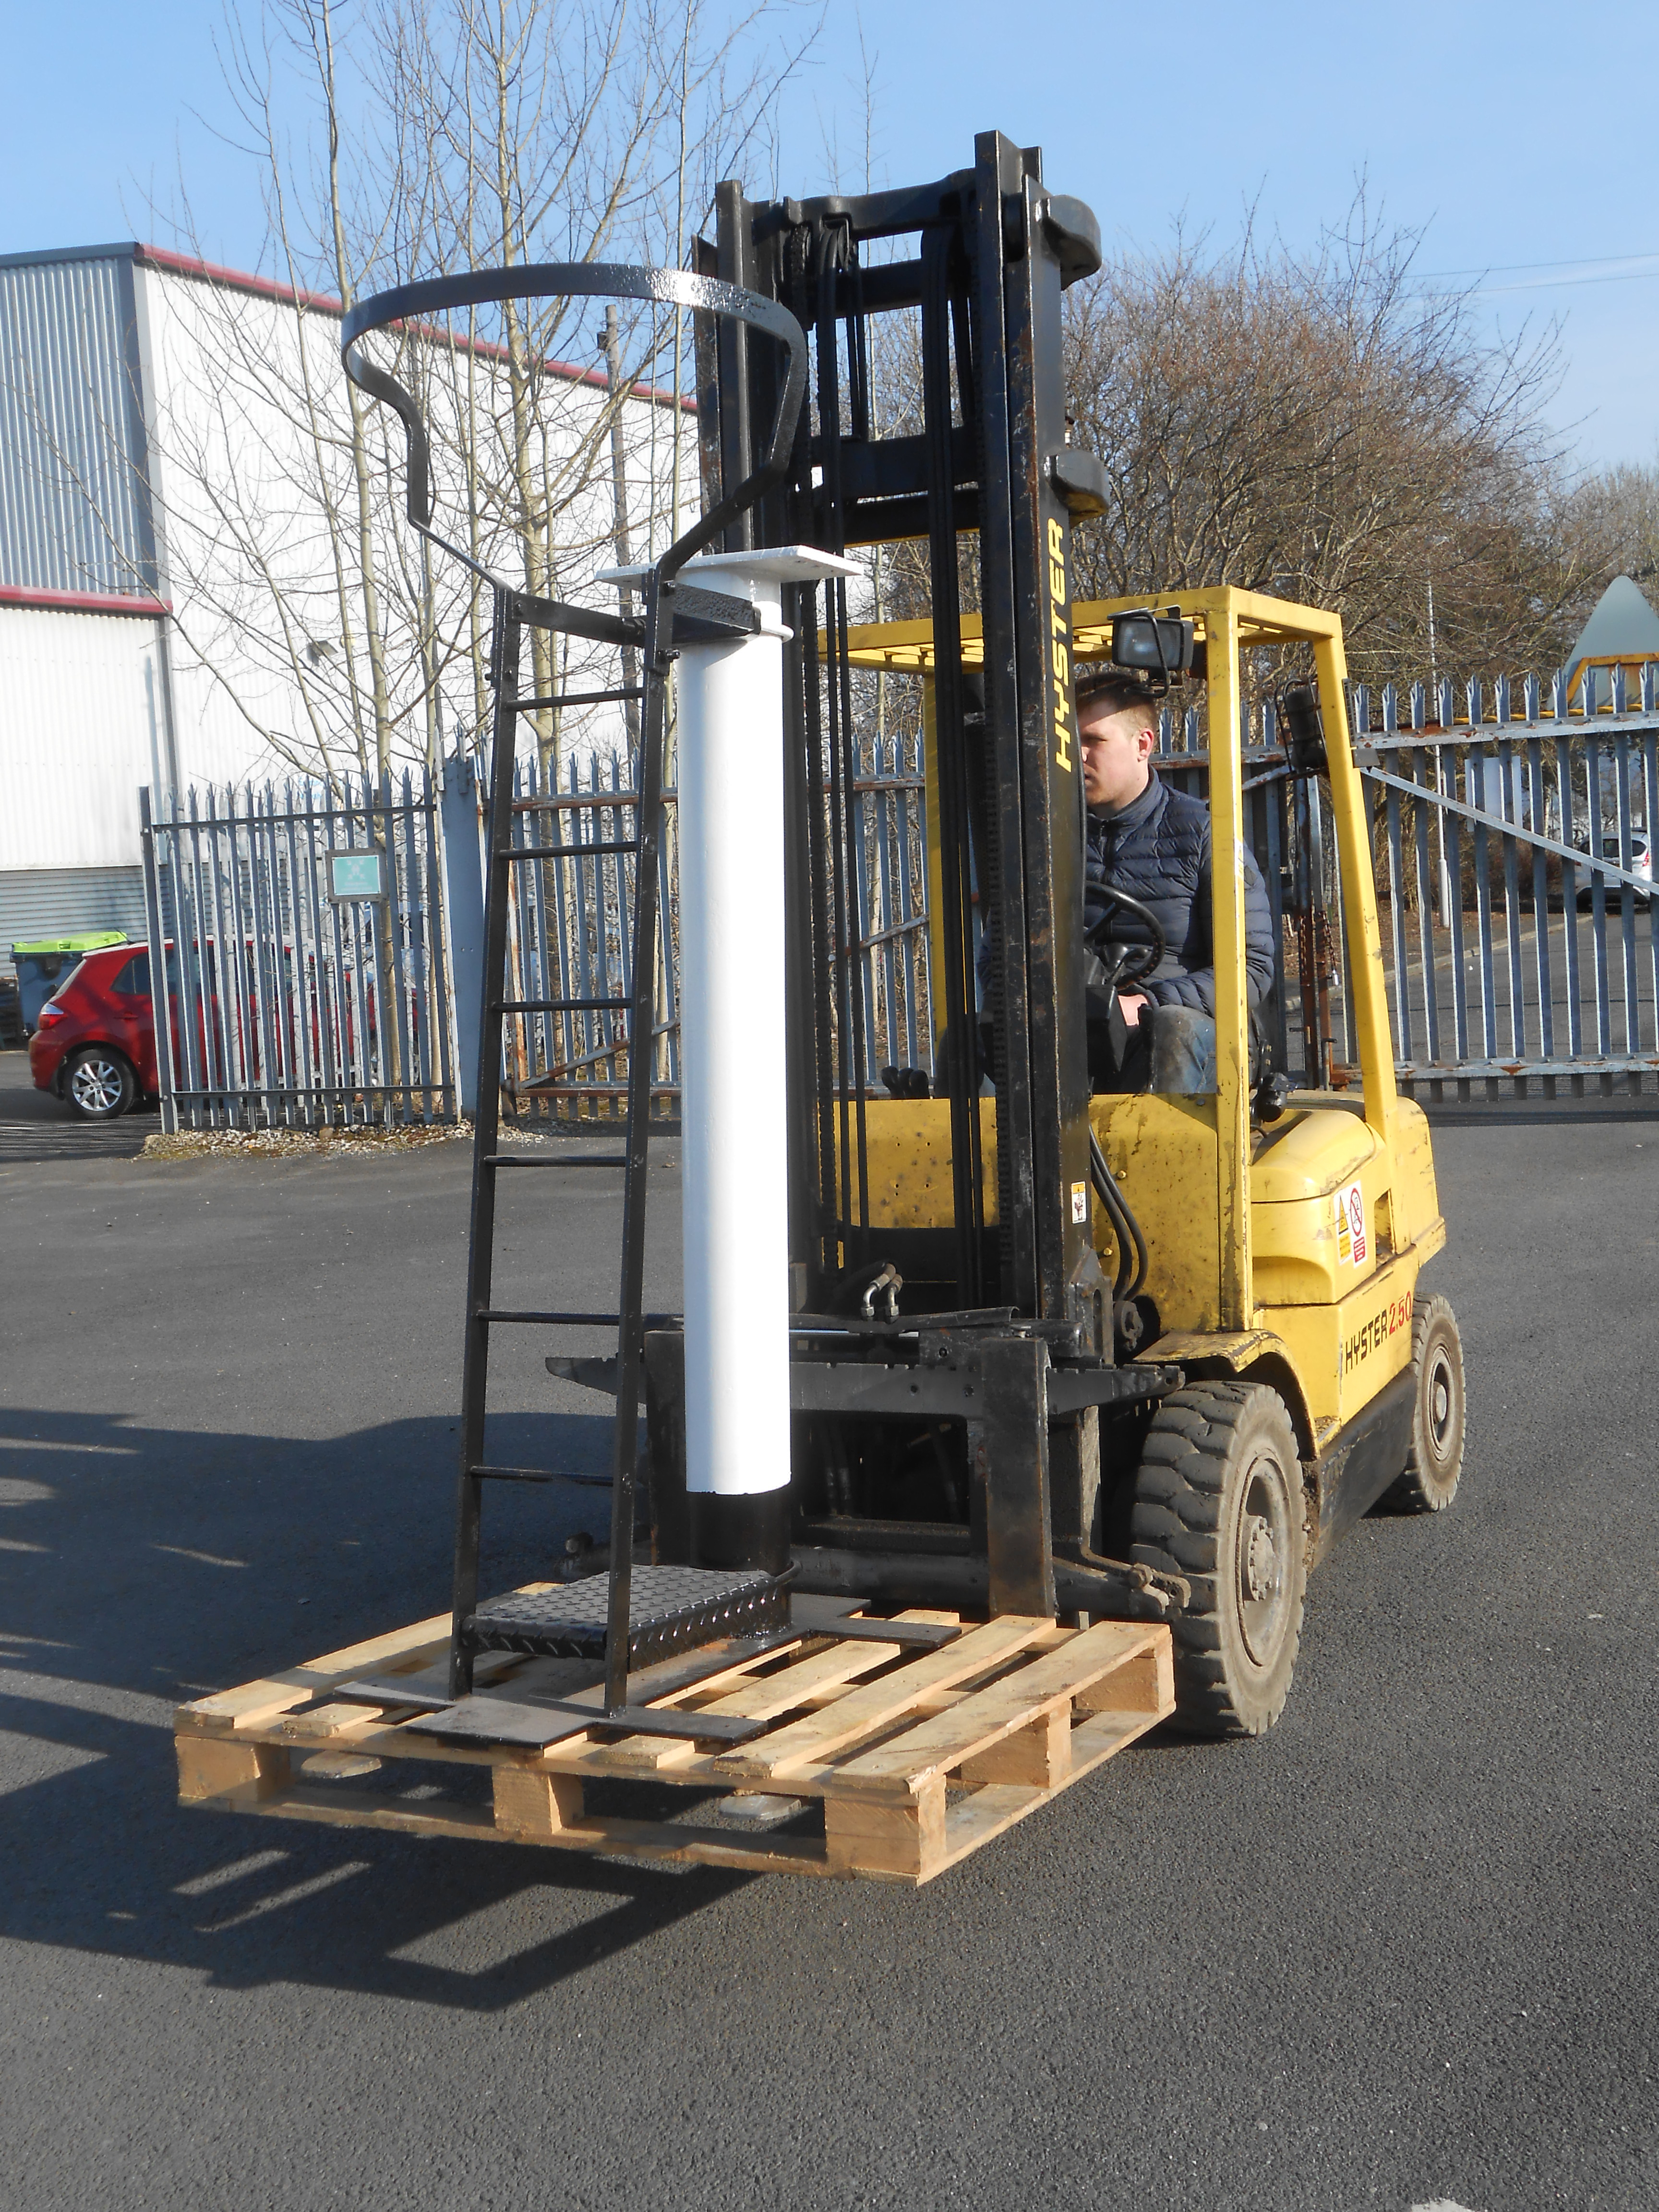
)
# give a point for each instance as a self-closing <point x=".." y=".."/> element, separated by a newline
<point x="411" y="139"/>
<point x="1318" y="428"/>
<point x="1614" y="514"/>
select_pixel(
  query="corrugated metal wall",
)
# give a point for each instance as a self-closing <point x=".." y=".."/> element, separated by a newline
<point x="74" y="508"/>
<point x="37" y="902"/>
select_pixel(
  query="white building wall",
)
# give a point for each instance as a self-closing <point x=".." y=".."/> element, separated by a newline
<point x="250" y="405"/>
<point x="79" y="730"/>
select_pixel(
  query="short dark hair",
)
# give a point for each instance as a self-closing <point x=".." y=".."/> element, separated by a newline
<point x="1116" y="693"/>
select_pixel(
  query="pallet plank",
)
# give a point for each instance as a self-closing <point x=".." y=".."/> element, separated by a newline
<point x="336" y="1808"/>
<point x="668" y="1841"/>
<point x="1015" y="1703"/>
<point x="414" y="1647"/>
<point x="321" y="1725"/>
<point x="257" y="1702"/>
<point x="819" y="1734"/>
<point x="794" y="1687"/>
<point x="826" y="1672"/>
<point x="429" y="1686"/>
<point x="522" y="1713"/>
<point x="818" y="1672"/>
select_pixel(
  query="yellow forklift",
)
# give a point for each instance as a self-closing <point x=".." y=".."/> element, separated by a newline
<point x="1272" y="1240"/>
<point x="1000" y="1421"/>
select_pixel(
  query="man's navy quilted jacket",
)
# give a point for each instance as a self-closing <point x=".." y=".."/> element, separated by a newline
<point x="1158" y="850"/>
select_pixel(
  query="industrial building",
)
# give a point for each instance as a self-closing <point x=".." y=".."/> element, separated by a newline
<point x="169" y="614"/>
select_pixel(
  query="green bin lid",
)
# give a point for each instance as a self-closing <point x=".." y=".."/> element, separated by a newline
<point x="87" y="942"/>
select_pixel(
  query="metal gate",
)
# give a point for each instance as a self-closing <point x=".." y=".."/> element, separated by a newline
<point x="303" y="935"/>
<point x="1511" y="831"/>
<point x="1515" y="883"/>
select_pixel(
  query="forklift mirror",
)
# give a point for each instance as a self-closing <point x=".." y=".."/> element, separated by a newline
<point x="1304" y="730"/>
<point x="1159" y="645"/>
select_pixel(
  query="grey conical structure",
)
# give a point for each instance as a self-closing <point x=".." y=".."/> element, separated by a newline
<point x="1623" y="626"/>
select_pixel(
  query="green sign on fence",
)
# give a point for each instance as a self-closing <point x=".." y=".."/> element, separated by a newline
<point x="356" y="875"/>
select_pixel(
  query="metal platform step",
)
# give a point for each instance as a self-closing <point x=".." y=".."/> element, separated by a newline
<point x="670" y="1609"/>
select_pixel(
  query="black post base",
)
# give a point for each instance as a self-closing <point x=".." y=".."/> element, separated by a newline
<point x="750" y="1531"/>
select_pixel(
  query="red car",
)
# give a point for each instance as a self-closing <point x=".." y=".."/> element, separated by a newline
<point x="94" y="1044"/>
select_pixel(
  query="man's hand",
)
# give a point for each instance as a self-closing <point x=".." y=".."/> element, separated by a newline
<point x="1130" y="1008"/>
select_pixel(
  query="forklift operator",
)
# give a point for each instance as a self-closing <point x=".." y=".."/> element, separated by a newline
<point x="1151" y="841"/>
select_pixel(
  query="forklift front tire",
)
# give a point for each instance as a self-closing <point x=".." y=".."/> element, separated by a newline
<point x="1218" y="1499"/>
<point x="1435" y="1463"/>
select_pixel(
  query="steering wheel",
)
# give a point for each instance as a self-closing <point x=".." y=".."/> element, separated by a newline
<point x="1135" y="963"/>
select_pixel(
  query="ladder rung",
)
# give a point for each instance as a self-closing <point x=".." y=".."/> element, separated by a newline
<point x="557" y="1005"/>
<point x="573" y="1320"/>
<point x="566" y="1160"/>
<point x="537" y="1474"/>
<point x="580" y="698"/>
<point x="568" y="852"/>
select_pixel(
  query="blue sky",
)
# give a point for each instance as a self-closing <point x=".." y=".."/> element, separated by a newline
<point x="1516" y="135"/>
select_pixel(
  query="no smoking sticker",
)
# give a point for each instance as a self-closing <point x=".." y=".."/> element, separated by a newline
<point x="1350" y="1225"/>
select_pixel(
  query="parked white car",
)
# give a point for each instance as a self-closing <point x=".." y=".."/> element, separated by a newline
<point x="1641" y="863"/>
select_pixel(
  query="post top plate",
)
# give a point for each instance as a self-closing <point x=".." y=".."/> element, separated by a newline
<point x="776" y="564"/>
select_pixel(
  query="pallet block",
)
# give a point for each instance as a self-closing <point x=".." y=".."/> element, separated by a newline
<point x="916" y="1761"/>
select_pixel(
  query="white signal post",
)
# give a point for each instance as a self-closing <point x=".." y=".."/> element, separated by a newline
<point x="733" y="1105"/>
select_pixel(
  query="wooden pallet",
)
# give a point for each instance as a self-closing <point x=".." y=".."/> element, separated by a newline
<point x="916" y="1760"/>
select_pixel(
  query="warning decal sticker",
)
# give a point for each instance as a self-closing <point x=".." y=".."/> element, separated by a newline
<point x="1079" y="1201"/>
<point x="1350" y="1225"/>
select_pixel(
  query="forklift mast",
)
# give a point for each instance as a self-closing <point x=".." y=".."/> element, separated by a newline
<point x="990" y="482"/>
<point x="945" y="1450"/>
<point x="977" y="1391"/>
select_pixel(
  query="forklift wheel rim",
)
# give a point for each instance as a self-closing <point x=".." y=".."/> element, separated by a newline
<point x="1439" y="1402"/>
<point x="1260" y="1583"/>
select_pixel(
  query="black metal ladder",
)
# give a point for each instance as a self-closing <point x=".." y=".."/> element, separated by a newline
<point x="685" y="1606"/>
<point x="513" y="613"/>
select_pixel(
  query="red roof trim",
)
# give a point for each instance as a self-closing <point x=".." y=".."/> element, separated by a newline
<point x="84" y="603"/>
<point x="234" y="280"/>
<point x="287" y="296"/>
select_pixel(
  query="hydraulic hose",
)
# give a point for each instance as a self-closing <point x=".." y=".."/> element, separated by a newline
<point x="1109" y="1199"/>
<point x="1125" y="1228"/>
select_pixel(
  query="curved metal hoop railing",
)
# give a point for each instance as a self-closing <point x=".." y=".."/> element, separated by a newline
<point x="600" y="280"/>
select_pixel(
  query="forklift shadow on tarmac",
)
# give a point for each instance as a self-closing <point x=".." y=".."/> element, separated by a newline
<point x="126" y="1598"/>
<point x="371" y="1915"/>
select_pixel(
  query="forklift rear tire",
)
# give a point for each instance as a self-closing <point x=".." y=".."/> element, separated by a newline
<point x="1435" y="1463"/>
<point x="1218" y="1499"/>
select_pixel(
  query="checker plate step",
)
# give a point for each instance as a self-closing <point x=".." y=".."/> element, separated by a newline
<point x="672" y="1609"/>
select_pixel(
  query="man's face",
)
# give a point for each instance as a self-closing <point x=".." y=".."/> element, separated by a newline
<point x="1116" y="744"/>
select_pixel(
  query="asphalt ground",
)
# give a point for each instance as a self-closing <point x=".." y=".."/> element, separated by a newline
<point x="36" y="1127"/>
<point x="1402" y="1951"/>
